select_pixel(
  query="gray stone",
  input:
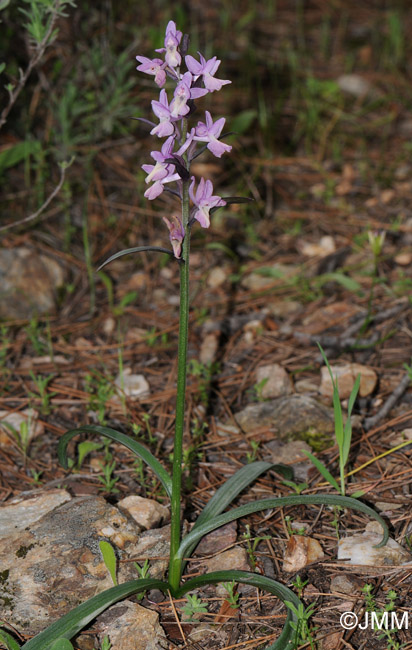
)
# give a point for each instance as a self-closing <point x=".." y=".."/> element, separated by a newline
<point x="21" y="512"/>
<point x="55" y="564"/>
<point x="130" y="626"/>
<point x="288" y="416"/>
<point x="28" y="283"/>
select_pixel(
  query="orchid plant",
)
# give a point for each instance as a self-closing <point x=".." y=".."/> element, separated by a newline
<point x="170" y="172"/>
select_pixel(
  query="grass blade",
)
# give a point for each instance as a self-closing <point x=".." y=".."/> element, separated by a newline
<point x="70" y="624"/>
<point x="123" y="439"/>
<point x="323" y="470"/>
<point x="136" y="249"/>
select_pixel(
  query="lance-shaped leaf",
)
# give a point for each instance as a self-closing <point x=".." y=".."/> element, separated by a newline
<point x="136" y="249"/>
<point x="197" y="533"/>
<point x="232" y="488"/>
<point x="260" y="582"/>
<point x="73" y="622"/>
<point x="123" y="439"/>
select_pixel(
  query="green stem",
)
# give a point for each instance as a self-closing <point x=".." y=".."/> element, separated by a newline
<point x="175" y="564"/>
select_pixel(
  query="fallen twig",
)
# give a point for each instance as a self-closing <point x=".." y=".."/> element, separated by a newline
<point x="371" y="422"/>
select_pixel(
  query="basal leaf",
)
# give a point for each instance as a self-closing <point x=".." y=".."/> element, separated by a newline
<point x="7" y="640"/>
<point x="71" y="624"/>
<point x="123" y="439"/>
<point x="196" y="534"/>
<point x="137" y="249"/>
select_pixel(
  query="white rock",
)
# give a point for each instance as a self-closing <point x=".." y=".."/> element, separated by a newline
<point x="146" y="512"/>
<point x="361" y="549"/>
<point x="133" y="386"/>
<point x="15" y="420"/>
<point x="354" y="84"/>
<point x="208" y="348"/>
<point x="216" y="278"/>
<point x="278" y="381"/>
<point x="345" y="377"/>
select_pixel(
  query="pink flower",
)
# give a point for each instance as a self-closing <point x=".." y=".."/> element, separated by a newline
<point x="172" y="41"/>
<point x="184" y="92"/>
<point x="176" y="234"/>
<point x="209" y="132"/>
<point x="204" y="201"/>
<point x="154" y="67"/>
<point x="207" y="69"/>
<point x="162" y="111"/>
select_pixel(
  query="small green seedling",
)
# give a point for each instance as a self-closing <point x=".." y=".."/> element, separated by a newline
<point x="109" y="558"/>
<point x="106" y="645"/>
<point x="193" y="607"/>
<point x="298" y="487"/>
<point x="144" y="572"/>
<point x="343" y="433"/>
<point x="42" y="392"/>
<point x="109" y="481"/>
<point x="303" y="631"/>
<point x="232" y="595"/>
<point x="299" y="585"/>
<point x="251" y="546"/>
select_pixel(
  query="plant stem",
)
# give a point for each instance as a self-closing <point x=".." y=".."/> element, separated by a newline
<point x="175" y="564"/>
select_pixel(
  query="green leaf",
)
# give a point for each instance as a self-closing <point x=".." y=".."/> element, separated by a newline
<point x="4" y="4"/>
<point x="86" y="447"/>
<point x="71" y="624"/>
<point x="323" y="470"/>
<point x="11" y="156"/>
<point x="7" y="640"/>
<point x="235" y="485"/>
<point x="340" y="278"/>
<point x="123" y="439"/>
<point x="62" y="644"/>
<point x="2" y="67"/>
<point x="197" y="533"/>
<point x="347" y="432"/>
<point x="109" y="558"/>
<point x="260" y="582"/>
<point x="137" y="249"/>
<point x="243" y="121"/>
<point x="232" y="488"/>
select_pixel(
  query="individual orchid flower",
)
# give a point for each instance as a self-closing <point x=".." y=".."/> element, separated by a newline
<point x="162" y="110"/>
<point x="182" y="94"/>
<point x="165" y="171"/>
<point x="162" y="172"/>
<point x="154" y="67"/>
<point x="209" y="132"/>
<point x="176" y="234"/>
<point x="207" y="69"/>
<point x="172" y="42"/>
<point x="204" y="200"/>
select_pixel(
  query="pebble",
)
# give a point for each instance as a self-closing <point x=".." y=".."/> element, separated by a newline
<point x="277" y="381"/>
<point x="361" y="549"/>
<point x="301" y="551"/>
<point x="345" y="377"/>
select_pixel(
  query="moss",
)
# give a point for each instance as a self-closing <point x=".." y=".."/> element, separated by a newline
<point x="23" y="550"/>
<point x="318" y="440"/>
<point x="4" y="576"/>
